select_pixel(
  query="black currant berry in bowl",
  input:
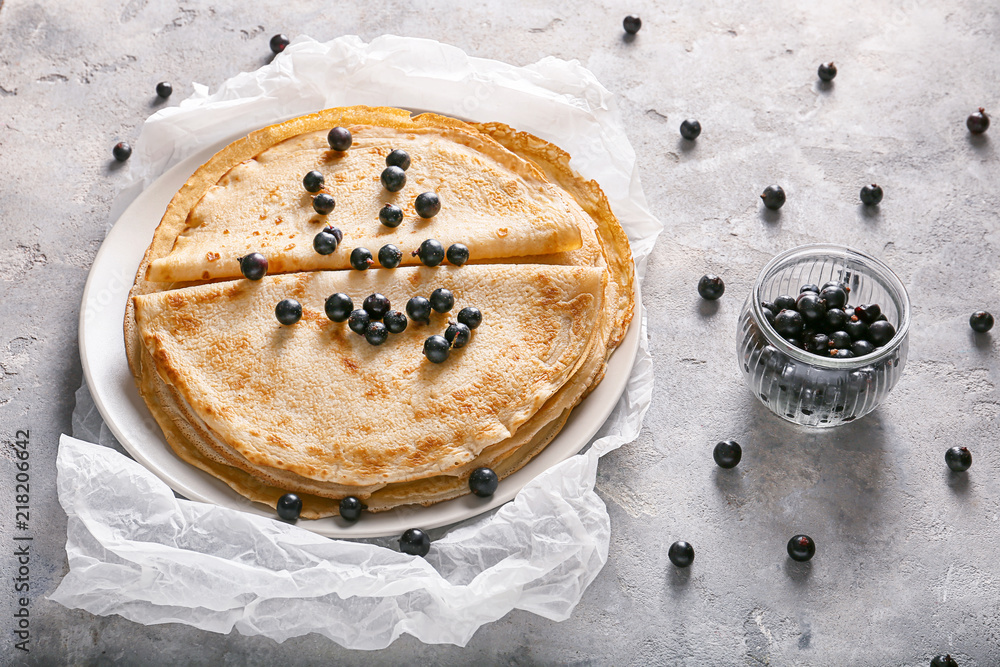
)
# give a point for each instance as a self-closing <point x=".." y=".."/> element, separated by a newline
<point x="862" y="316"/>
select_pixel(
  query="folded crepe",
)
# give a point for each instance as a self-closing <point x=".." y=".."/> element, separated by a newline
<point x="221" y="388"/>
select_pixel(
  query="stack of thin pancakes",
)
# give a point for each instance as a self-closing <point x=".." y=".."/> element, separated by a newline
<point x="312" y="408"/>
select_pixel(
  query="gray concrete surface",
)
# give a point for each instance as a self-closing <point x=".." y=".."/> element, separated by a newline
<point x="907" y="561"/>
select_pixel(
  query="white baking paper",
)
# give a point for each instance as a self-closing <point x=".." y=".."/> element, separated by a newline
<point x="136" y="550"/>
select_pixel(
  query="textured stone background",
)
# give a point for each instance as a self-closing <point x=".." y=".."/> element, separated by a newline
<point x="907" y="564"/>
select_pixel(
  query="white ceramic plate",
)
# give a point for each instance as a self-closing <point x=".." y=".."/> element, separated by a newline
<point x="102" y="349"/>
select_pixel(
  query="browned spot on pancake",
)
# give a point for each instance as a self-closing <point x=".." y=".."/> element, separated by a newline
<point x="225" y="231"/>
<point x="256" y="233"/>
<point x="350" y="364"/>
<point x="427" y="449"/>
<point x="289" y="247"/>
<point x="212" y="256"/>
<point x="205" y="275"/>
<point x="279" y="220"/>
<point x="374" y="388"/>
<point x="277" y="441"/>
<point x="502" y="232"/>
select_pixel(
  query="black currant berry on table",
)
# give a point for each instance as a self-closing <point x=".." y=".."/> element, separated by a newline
<point x="340" y="139"/>
<point x="278" y="43"/>
<point x="415" y="542"/>
<point x="483" y="482"/>
<point x="981" y="321"/>
<point x="470" y="317"/>
<point x="632" y="24"/>
<point x="690" y="129"/>
<point x="419" y="309"/>
<point x="801" y="548"/>
<point x="390" y="215"/>
<point x="324" y="203"/>
<point x="457" y="334"/>
<point x="727" y="454"/>
<point x="436" y="349"/>
<point x="361" y="258"/>
<point x="339" y="307"/>
<point x="393" y="179"/>
<point x="122" y="151"/>
<point x="959" y="459"/>
<point x="313" y="181"/>
<point x="871" y="195"/>
<point x="773" y="197"/>
<point x="389" y="256"/>
<point x="164" y="90"/>
<point x="325" y="243"/>
<point x="395" y="321"/>
<point x="398" y="158"/>
<point x="827" y="71"/>
<point x="431" y="252"/>
<point x="289" y="507"/>
<point x="978" y="122"/>
<point x="376" y="305"/>
<point x="943" y="661"/>
<point x="350" y="508"/>
<point x="711" y="287"/>
<point x="359" y="321"/>
<point x="458" y="254"/>
<point x="376" y="333"/>
<point x="681" y="554"/>
<point x="288" y="311"/>
<point x="427" y="205"/>
<point x="253" y="266"/>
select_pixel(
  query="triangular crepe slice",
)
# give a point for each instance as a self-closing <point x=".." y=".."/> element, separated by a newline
<point x="317" y="400"/>
<point x="250" y="197"/>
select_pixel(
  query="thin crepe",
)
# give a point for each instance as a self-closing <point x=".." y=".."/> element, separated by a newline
<point x="272" y="392"/>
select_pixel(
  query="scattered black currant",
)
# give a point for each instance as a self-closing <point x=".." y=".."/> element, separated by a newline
<point x="289" y="507"/>
<point x="278" y="43"/>
<point x="253" y="266"/>
<point x="398" y="158"/>
<point x="871" y="195"/>
<point x="801" y="548"/>
<point x="350" y="508"/>
<point x="340" y="139"/>
<point x="981" y="321"/>
<point x="389" y="256"/>
<point x="690" y="129"/>
<point x="164" y="90"/>
<point x="393" y="179"/>
<point x="943" y="661"/>
<point x="427" y="205"/>
<point x="390" y="215"/>
<point x="827" y="71"/>
<point x="313" y="181"/>
<point x="959" y="459"/>
<point x="483" y="482"/>
<point x="436" y="349"/>
<point x="324" y="203"/>
<point x="361" y="258"/>
<point x="458" y="254"/>
<point x="681" y="554"/>
<point x="339" y="307"/>
<point x="288" y="311"/>
<point x="773" y="197"/>
<point x="978" y="122"/>
<point x="632" y="24"/>
<point x="711" y="287"/>
<point x="415" y="542"/>
<point x="376" y="333"/>
<point x="122" y="151"/>
<point x="727" y="454"/>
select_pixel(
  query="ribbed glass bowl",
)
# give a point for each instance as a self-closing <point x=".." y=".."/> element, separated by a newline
<point x="805" y="388"/>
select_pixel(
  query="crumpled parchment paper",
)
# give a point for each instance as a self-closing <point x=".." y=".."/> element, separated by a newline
<point x="136" y="550"/>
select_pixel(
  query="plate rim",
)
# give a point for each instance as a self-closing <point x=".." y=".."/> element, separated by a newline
<point x="618" y="370"/>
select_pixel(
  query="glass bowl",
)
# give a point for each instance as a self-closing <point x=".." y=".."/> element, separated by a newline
<point x="805" y="388"/>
